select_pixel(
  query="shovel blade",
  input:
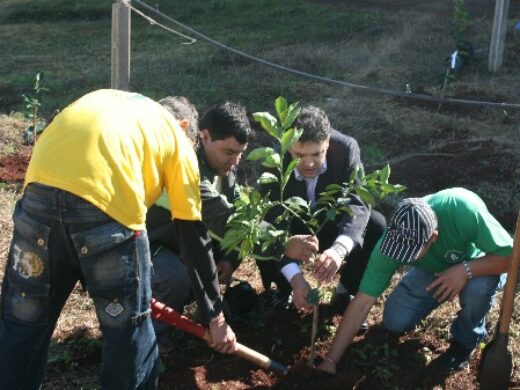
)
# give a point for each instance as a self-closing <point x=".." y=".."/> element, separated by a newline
<point x="496" y="365"/>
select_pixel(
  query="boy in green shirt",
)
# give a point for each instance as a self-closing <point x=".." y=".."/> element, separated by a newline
<point x="454" y="247"/>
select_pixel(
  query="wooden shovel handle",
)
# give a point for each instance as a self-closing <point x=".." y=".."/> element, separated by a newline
<point x="168" y="315"/>
<point x="510" y="288"/>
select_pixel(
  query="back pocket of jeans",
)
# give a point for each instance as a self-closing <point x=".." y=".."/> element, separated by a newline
<point x="109" y="262"/>
<point x="108" y="259"/>
<point x="101" y="238"/>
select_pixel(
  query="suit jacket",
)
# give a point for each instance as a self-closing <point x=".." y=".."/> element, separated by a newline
<point x="343" y="156"/>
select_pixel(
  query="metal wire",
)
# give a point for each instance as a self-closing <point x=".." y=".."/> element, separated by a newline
<point x="377" y="90"/>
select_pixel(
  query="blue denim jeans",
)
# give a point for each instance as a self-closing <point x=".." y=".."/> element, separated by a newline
<point x="409" y="303"/>
<point x="171" y="284"/>
<point x="59" y="239"/>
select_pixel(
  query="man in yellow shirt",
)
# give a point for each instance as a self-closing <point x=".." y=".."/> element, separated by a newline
<point x="94" y="172"/>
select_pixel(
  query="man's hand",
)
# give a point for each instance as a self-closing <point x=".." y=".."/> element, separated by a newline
<point x="302" y="247"/>
<point x="300" y="290"/>
<point x="327" y="265"/>
<point x="223" y="338"/>
<point x="225" y="270"/>
<point x="449" y="283"/>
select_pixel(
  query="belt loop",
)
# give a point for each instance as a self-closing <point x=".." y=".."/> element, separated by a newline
<point x="62" y="200"/>
<point x="138" y="319"/>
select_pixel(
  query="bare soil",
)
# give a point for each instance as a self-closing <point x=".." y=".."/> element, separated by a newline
<point x="14" y="166"/>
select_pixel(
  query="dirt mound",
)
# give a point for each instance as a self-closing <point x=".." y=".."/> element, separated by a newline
<point x="14" y="166"/>
<point x="462" y="94"/>
<point x="484" y="166"/>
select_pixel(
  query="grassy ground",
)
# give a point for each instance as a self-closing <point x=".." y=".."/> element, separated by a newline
<point x="389" y="44"/>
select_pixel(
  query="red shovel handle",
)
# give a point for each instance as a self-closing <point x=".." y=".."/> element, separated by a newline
<point x="166" y="314"/>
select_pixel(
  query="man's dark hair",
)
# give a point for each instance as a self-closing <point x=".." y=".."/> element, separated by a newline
<point x="227" y="120"/>
<point x="181" y="108"/>
<point x="315" y="124"/>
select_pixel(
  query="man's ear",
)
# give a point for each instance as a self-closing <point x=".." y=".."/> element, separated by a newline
<point x="434" y="236"/>
<point x="185" y="124"/>
<point x="327" y="143"/>
<point x="204" y="135"/>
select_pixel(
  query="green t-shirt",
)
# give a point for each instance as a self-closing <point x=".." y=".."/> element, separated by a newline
<point x="466" y="231"/>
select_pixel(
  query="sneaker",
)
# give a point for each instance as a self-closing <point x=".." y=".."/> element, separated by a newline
<point x="454" y="359"/>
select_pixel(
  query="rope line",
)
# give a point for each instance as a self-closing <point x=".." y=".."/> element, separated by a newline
<point x="155" y="23"/>
<point x="384" y="91"/>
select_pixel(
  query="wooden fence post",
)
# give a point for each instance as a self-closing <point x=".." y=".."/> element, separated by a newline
<point x="120" y="78"/>
<point x="498" y="36"/>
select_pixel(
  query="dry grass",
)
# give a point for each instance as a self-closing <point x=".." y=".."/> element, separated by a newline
<point x="11" y="129"/>
<point x="7" y="200"/>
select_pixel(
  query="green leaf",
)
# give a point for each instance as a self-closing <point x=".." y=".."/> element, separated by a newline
<point x="297" y="201"/>
<point x="346" y="210"/>
<point x="343" y="201"/>
<point x="361" y="173"/>
<point x="392" y="188"/>
<point x="321" y="210"/>
<point x="266" y="245"/>
<point x="366" y="196"/>
<point x="313" y="296"/>
<point x="333" y="187"/>
<point x="290" y="168"/>
<point x="272" y="161"/>
<point x="292" y="113"/>
<point x="275" y="233"/>
<point x="289" y="138"/>
<point x="260" y="153"/>
<point x="255" y="197"/>
<point x="313" y="223"/>
<point x="280" y="218"/>
<point x="331" y="214"/>
<point x="268" y="123"/>
<point x="244" y="197"/>
<point x="281" y="107"/>
<point x="267" y="178"/>
<point x="385" y="174"/>
<point x="354" y="174"/>
<point x="245" y="248"/>
<point x="326" y="198"/>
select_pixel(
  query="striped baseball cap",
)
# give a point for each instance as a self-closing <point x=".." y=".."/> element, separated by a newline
<point x="411" y="226"/>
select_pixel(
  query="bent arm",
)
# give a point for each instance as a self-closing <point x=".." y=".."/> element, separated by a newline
<point x="216" y="210"/>
<point x="450" y="282"/>
<point x="489" y="265"/>
<point x="196" y="250"/>
<point x="347" y="155"/>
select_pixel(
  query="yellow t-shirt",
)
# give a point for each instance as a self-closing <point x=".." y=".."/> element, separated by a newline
<point x="119" y="150"/>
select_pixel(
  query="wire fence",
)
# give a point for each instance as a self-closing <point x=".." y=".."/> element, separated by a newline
<point x="375" y="90"/>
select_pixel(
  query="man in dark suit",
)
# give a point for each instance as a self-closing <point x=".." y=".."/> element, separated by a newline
<point x="326" y="157"/>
